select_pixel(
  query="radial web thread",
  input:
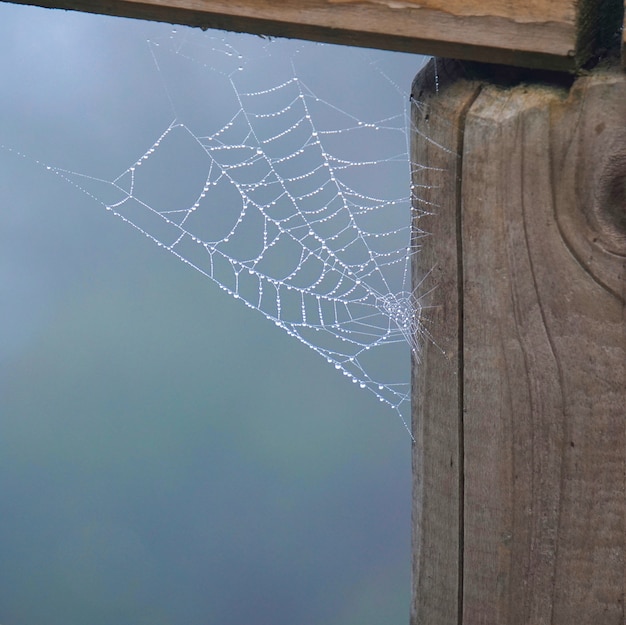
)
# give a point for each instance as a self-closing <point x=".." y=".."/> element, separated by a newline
<point x="298" y="201"/>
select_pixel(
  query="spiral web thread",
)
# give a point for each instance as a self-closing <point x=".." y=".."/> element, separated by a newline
<point x="297" y="206"/>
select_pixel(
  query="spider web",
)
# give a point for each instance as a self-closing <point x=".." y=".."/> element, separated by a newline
<point x="297" y="201"/>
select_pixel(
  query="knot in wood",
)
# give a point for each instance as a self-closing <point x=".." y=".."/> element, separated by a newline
<point x="609" y="207"/>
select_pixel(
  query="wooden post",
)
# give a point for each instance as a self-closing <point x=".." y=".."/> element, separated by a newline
<point x="520" y="401"/>
<point x="623" y="44"/>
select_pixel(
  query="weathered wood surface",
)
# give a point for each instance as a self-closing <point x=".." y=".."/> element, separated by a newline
<point x="551" y="34"/>
<point x="529" y="440"/>
<point x="624" y="38"/>
<point x="437" y="507"/>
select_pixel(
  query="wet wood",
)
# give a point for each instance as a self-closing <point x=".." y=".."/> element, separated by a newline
<point x="550" y="34"/>
<point x="540" y="289"/>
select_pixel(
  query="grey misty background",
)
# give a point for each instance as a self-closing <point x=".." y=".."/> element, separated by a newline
<point x="166" y="454"/>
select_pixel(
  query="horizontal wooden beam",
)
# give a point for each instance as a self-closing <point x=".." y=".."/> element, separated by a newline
<point x="549" y="34"/>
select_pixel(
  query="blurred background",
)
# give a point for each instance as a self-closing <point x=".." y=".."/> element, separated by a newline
<point x="167" y="455"/>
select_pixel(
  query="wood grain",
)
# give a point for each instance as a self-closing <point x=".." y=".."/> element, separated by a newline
<point x="437" y="380"/>
<point x="624" y="38"/>
<point x="545" y="347"/>
<point x="512" y="389"/>
<point x="551" y="34"/>
<point x="543" y="362"/>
